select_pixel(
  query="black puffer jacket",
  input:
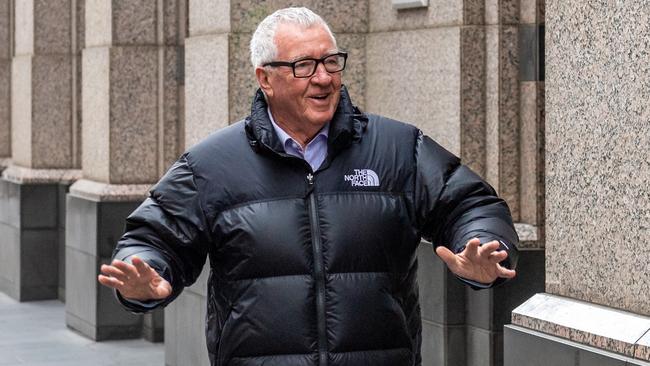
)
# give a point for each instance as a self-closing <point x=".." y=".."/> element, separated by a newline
<point x="312" y="268"/>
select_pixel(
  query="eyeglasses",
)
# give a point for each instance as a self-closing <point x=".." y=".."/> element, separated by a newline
<point x="306" y="67"/>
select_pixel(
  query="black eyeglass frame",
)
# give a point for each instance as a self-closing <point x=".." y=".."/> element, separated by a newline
<point x="318" y="61"/>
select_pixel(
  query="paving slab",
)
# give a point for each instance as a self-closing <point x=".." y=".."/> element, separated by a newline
<point x="35" y="334"/>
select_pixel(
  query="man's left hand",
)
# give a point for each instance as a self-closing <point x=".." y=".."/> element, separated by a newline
<point x="477" y="262"/>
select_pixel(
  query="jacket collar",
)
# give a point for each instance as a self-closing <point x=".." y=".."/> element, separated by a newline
<point x="347" y="126"/>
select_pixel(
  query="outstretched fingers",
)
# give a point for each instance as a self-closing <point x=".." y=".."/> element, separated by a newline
<point x="111" y="282"/>
<point x="505" y="273"/>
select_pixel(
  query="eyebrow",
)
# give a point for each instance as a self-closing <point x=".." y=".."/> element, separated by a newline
<point x="302" y="57"/>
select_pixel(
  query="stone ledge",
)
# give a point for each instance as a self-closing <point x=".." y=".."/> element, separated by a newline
<point x="590" y="324"/>
<point x="4" y="162"/>
<point x="22" y="175"/>
<point x="527" y="235"/>
<point x="103" y="192"/>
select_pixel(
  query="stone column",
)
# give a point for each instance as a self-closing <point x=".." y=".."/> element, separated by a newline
<point x="514" y="154"/>
<point x="6" y="53"/>
<point x="45" y="146"/>
<point x="596" y="308"/>
<point x="132" y="111"/>
<point x="452" y="69"/>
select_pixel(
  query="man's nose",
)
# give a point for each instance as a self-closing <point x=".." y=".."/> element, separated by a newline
<point x="321" y="75"/>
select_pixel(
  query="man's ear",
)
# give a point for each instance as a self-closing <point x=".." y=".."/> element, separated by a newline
<point x="263" y="76"/>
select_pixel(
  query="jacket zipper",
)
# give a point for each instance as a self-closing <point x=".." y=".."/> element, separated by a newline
<point x="319" y="274"/>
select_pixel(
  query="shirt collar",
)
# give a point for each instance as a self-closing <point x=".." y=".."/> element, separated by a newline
<point x="285" y="138"/>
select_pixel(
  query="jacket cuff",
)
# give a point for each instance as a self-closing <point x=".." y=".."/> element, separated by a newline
<point x="138" y="307"/>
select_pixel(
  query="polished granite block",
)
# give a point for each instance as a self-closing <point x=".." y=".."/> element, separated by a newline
<point x="597" y="148"/>
<point x="589" y="324"/>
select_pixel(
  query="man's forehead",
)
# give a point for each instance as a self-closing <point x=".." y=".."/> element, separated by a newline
<point x="295" y="41"/>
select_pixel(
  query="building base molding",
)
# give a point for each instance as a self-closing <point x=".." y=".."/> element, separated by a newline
<point x="577" y="326"/>
<point x="95" y="221"/>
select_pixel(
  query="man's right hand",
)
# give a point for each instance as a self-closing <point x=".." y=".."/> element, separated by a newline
<point x="137" y="281"/>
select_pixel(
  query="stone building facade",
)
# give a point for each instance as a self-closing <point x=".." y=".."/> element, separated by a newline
<point x="98" y="98"/>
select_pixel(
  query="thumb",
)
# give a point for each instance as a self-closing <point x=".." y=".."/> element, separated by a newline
<point x="446" y="255"/>
<point x="164" y="289"/>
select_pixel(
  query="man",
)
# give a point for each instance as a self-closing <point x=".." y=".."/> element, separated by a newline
<point x="311" y="212"/>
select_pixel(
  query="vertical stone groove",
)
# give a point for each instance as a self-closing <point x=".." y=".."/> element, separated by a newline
<point x="73" y="51"/>
<point x="160" y="40"/>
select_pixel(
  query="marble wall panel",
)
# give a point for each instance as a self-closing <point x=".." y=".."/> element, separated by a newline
<point x="5" y="107"/>
<point x="491" y="12"/>
<point x="52" y="26"/>
<point x="354" y="76"/>
<point x="509" y="11"/>
<point x="531" y="149"/>
<point x="98" y="23"/>
<point x="206" y="86"/>
<point x="439" y="13"/>
<point x="509" y="118"/>
<point x="51" y="112"/>
<point x="6" y="30"/>
<point x="134" y="22"/>
<point x="209" y="16"/>
<point x="95" y="113"/>
<point x="79" y="14"/>
<point x="422" y="88"/>
<point x="492" y="105"/>
<point x="473" y="12"/>
<point x="472" y="66"/>
<point x="528" y="11"/>
<point x="21" y="110"/>
<point x="242" y="80"/>
<point x="597" y="141"/>
<point x="24" y="27"/>
<point x="133" y="115"/>
<point x="245" y="15"/>
<point x="173" y="104"/>
<point x="174" y="18"/>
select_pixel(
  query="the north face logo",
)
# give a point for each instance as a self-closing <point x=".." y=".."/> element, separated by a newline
<point x="362" y="178"/>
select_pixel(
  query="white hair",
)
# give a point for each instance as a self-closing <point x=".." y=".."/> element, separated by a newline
<point x="263" y="48"/>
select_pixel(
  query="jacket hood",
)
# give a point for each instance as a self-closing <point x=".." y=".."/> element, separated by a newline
<point x="347" y="125"/>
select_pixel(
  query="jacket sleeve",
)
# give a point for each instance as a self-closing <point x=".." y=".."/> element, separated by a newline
<point x="453" y="205"/>
<point x="168" y="231"/>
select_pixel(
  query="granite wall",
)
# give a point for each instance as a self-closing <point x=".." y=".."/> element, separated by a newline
<point x="6" y="53"/>
<point x="598" y="144"/>
<point x="596" y="309"/>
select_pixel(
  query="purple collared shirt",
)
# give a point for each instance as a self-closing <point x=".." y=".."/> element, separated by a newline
<point x="314" y="153"/>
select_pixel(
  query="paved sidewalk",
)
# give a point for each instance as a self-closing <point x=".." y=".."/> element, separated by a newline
<point x="34" y="334"/>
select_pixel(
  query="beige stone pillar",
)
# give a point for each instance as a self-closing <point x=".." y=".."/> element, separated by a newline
<point x="6" y="53"/>
<point x="132" y="131"/>
<point x="45" y="144"/>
